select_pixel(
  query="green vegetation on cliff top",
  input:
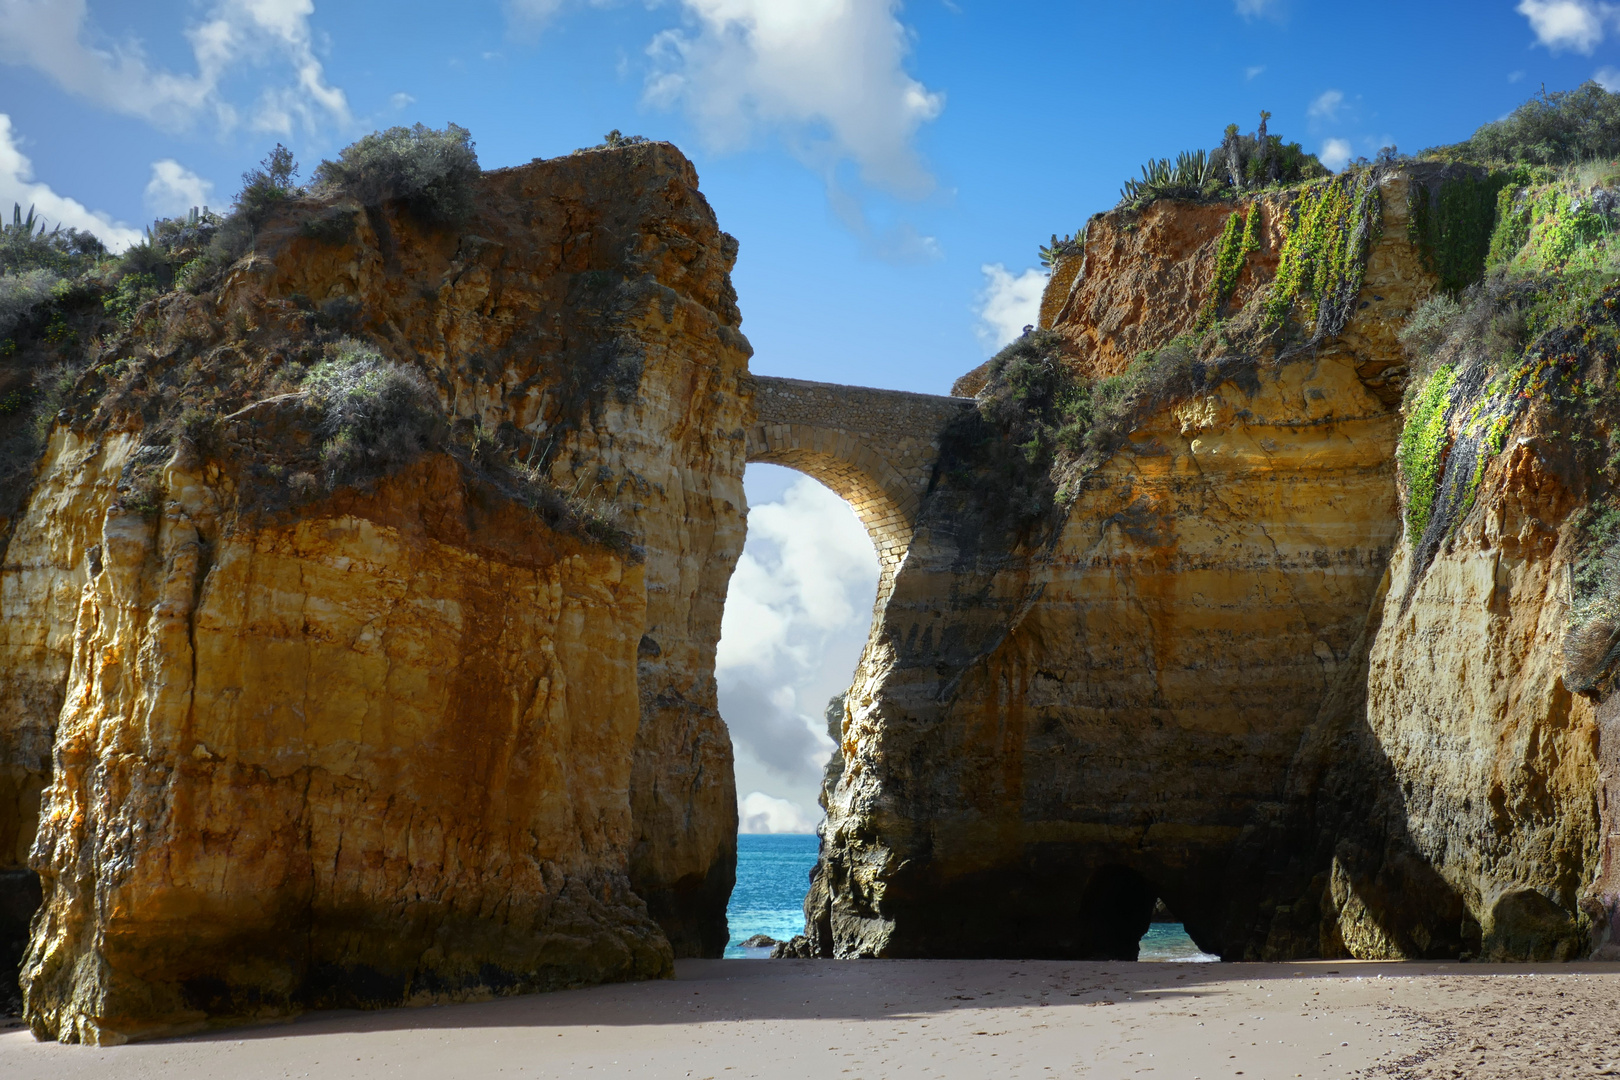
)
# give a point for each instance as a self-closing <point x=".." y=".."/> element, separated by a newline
<point x="82" y="328"/>
<point x="1526" y="342"/>
<point x="1240" y="164"/>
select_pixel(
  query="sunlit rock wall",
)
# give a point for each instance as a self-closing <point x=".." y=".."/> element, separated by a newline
<point x="404" y="742"/>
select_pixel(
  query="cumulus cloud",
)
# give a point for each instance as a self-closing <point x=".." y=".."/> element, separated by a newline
<point x="175" y="189"/>
<point x="796" y="615"/>
<point x="758" y="812"/>
<point x="1326" y="106"/>
<point x="18" y="186"/>
<point x="1252" y="73"/>
<point x="828" y="77"/>
<point x="57" y="39"/>
<point x="1608" y="78"/>
<point x="1335" y="153"/>
<point x="400" y="100"/>
<point x="1567" y="24"/>
<point x="1007" y="304"/>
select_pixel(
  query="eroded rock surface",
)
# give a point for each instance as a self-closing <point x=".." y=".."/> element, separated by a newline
<point x="410" y="740"/>
<point x="1222" y="679"/>
<point x="1104" y="714"/>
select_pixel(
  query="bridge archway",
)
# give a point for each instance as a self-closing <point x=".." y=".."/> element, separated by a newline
<point x="875" y="448"/>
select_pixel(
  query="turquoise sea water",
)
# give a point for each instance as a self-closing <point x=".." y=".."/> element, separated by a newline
<point x="773" y="874"/>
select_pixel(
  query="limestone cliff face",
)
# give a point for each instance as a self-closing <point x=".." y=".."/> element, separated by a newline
<point x="1141" y="279"/>
<point x="1037" y="737"/>
<point x="378" y="751"/>
<point x="1220" y="679"/>
<point x="1452" y="797"/>
<point x="614" y="339"/>
<point x="410" y="740"/>
<point x="1466" y="696"/>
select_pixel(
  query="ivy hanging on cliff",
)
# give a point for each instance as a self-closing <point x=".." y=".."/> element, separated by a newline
<point x="1451" y="222"/>
<point x="1324" y="257"/>
<point x="1239" y="237"/>
<point x="1421" y="453"/>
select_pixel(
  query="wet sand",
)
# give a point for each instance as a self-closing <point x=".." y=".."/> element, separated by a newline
<point x="783" y="1019"/>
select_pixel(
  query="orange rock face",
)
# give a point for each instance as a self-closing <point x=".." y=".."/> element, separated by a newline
<point x="1142" y="278"/>
<point x="380" y="751"/>
<point x="1222" y="677"/>
<point x="1038" y="737"/>
<point x="406" y="741"/>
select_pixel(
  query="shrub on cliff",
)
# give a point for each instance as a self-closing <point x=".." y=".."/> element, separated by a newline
<point x="268" y="187"/>
<point x="1240" y="163"/>
<point x="190" y="252"/>
<point x="1261" y="159"/>
<point x="1040" y="425"/>
<point x="1031" y="397"/>
<point x="377" y="416"/>
<point x="1559" y="127"/>
<point x="22" y="294"/>
<point x="26" y="245"/>
<point x="429" y="172"/>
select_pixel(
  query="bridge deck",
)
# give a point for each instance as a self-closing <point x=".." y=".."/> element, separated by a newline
<point x="875" y="448"/>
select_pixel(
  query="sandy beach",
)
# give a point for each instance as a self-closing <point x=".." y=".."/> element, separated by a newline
<point x="727" y="1020"/>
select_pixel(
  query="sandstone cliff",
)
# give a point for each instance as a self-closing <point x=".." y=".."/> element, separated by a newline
<point x="1219" y="675"/>
<point x="415" y="737"/>
<point x="1450" y="799"/>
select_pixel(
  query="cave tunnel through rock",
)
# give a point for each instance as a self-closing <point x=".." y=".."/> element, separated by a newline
<point x="798" y="613"/>
<point x="1115" y="912"/>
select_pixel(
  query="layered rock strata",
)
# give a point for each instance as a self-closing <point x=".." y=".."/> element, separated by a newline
<point x="1221" y="679"/>
<point x="1041" y="743"/>
<point x="1452" y="799"/>
<point x="410" y="740"/>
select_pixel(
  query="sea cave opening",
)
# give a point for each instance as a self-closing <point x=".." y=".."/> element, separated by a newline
<point x="1166" y="940"/>
<point x="797" y="616"/>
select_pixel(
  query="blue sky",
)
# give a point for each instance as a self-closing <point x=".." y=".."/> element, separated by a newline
<point x="889" y="168"/>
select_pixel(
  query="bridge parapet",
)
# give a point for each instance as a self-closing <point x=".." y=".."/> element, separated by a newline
<point x="875" y="448"/>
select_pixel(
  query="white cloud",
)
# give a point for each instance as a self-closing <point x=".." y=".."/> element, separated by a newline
<point x="1608" y="78"/>
<point x="1252" y="73"/>
<point x="1250" y="9"/>
<point x="1007" y="304"/>
<point x="175" y="189"/>
<point x="1566" y="24"/>
<point x="899" y="243"/>
<point x="56" y="38"/>
<point x="1335" y="153"/>
<point x="797" y="613"/>
<point x="532" y="14"/>
<point x="18" y="186"/>
<point x="1326" y="106"/>
<point x="758" y="812"/>
<point x="827" y="76"/>
<point x="400" y="100"/>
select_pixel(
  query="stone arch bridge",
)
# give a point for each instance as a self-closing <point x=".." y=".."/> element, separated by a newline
<point x="874" y="448"/>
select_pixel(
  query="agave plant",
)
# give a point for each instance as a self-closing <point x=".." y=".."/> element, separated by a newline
<point x="1069" y="245"/>
<point x="24" y="226"/>
<point x="27" y="244"/>
<point x="1186" y="177"/>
